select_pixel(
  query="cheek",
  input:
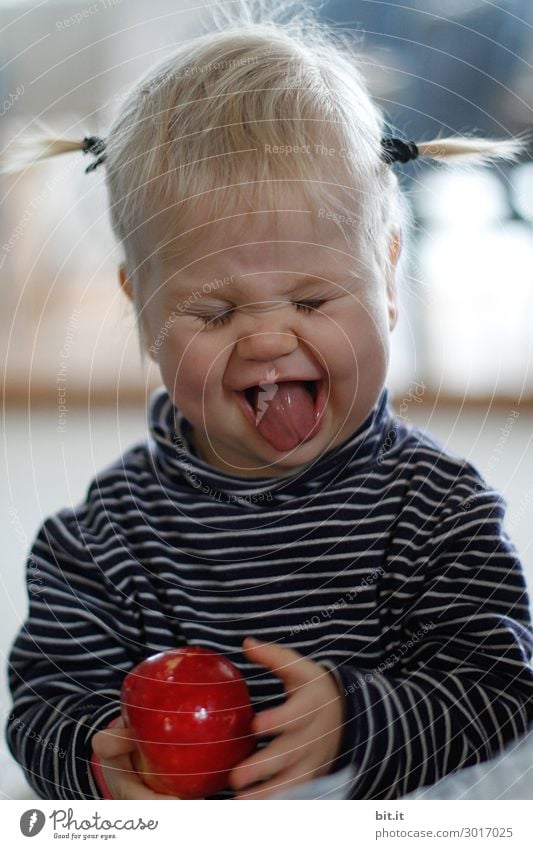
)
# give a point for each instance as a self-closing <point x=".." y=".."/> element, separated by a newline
<point x="191" y="361"/>
<point x="357" y="331"/>
<point x="374" y="330"/>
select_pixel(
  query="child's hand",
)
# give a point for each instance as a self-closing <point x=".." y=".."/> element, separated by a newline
<point x="309" y="724"/>
<point x="114" y="747"/>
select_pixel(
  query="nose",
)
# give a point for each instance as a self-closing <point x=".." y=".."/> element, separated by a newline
<point x="268" y="337"/>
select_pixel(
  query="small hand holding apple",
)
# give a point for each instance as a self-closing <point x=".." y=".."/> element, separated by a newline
<point x="308" y="725"/>
<point x="188" y="727"/>
<point x="114" y="748"/>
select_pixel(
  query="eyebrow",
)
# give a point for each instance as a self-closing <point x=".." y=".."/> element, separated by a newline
<point x="319" y="278"/>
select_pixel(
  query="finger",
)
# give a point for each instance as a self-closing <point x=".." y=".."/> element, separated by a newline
<point x="297" y="774"/>
<point x="287" y="664"/>
<point x="271" y="760"/>
<point x="134" y="788"/>
<point x="112" y="742"/>
<point x="289" y="716"/>
<point x="125" y="782"/>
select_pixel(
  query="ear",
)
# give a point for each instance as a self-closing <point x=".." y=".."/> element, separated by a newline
<point x="395" y="248"/>
<point x="125" y="282"/>
<point x="127" y="288"/>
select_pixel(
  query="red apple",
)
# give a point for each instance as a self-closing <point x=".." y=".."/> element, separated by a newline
<point x="190" y="711"/>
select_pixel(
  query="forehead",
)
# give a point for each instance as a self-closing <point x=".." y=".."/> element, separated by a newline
<point x="295" y="236"/>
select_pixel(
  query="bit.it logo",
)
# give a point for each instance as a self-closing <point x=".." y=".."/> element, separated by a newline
<point x="267" y="389"/>
<point x="32" y="822"/>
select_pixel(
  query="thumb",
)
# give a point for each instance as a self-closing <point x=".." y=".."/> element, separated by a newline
<point x="288" y="665"/>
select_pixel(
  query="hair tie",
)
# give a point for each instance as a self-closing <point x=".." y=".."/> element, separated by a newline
<point x="396" y="150"/>
<point x="96" y="146"/>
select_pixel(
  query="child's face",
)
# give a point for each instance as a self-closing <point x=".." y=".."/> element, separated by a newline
<point x="259" y="273"/>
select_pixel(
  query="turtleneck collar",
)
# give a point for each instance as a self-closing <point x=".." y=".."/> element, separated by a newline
<point x="176" y="459"/>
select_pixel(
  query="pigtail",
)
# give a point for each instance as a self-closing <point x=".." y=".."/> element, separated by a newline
<point x="29" y="149"/>
<point x="461" y="150"/>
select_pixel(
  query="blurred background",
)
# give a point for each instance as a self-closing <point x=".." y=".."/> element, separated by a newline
<point x="73" y="388"/>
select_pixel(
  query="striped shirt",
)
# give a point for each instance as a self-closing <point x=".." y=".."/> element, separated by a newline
<point x="385" y="560"/>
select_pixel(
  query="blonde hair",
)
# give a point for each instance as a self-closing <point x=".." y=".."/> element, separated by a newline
<point x="210" y="120"/>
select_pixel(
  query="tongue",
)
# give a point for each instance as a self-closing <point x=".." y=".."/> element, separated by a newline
<point x="285" y="413"/>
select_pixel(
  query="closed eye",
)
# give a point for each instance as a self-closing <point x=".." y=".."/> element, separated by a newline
<point x="223" y="318"/>
<point x="307" y="306"/>
<point x="215" y="320"/>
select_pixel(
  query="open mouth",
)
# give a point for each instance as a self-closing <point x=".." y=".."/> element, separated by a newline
<point x="252" y="393"/>
<point x="285" y="423"/>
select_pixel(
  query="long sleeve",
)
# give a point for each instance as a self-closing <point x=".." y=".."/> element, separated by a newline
<point x="457" y="683"/>
<point x="66" y="665"/>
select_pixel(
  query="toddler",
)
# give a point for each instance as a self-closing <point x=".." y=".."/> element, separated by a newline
<point x="358" y="575"/>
